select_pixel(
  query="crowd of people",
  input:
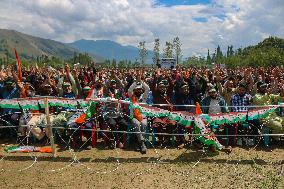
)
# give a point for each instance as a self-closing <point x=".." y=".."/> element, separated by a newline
<point x="217" y="90"/>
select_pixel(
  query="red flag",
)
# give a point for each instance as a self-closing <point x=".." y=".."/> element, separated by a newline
<point x="19" y="66"/>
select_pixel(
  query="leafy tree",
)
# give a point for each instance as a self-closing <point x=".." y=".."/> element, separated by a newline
<point x="156" y="50"/>
<point x="168" y="50"/>
<point x="142" y="52"/>
<point x="82" y="58"/>
<point x="195" y="62"/>
<point x="129" y="64"/>
<point x="230" y="51"/>
<point x="219" y="54"/>
<point x="177" y="47"/>
<point x="113" y="64"/>
<point x="208" y="59"/>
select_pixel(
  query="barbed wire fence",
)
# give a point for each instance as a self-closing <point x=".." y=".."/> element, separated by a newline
<point x="66" y="144"/>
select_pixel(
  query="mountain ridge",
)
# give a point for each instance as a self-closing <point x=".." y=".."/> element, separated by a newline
<point x="30" y="47"/>
<point x="109" y="49"/>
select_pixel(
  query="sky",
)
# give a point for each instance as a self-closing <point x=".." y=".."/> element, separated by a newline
<point x="200" y="24"/>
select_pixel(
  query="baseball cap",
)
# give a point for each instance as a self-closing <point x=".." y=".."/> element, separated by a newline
<point x="261" y="84"/>
<point x="212" y="90"/>
<point x="139" y="85"/>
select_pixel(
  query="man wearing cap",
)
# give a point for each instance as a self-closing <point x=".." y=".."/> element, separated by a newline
<point x="162" y="97"/>
<point x="86" y="92"/>
<point x="67" y="89"/>
<point x="98" y="89"/>
<point x="214" y="103"/>
<point x="226" y="90"/>
<point x="138" y="93"/>
<point x="182" y="97"/>
<point x="262" y="97"/>
<point x="114" y="87"/>
<point x="241" y="100"/>
<point x="48" y="87"/>
<point x="140" y="89"/>
<point x="184" y="102"/>
<point x="10" y="89"/>
<point x="112" y="112"/>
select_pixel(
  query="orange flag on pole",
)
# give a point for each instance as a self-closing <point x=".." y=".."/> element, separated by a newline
<point x="198" y="110"/>
<point x="19" y="66"/>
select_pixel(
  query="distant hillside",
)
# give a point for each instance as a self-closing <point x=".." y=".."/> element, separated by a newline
<point x="30" y="47"/>
<point x="270" y="42"/>
<point x="109" y="49"/>
<point x="269" y="52"/>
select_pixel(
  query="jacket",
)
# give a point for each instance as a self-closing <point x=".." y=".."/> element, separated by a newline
<point x="205" y="103"/>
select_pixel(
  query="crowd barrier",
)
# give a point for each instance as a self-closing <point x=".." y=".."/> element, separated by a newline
<point x="183" y="118"/>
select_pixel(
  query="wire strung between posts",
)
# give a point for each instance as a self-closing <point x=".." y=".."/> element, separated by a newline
<point x="113" y="100"/>
<point x="137" y="132"/>
<point x="75" y="159"/>
<point x="30" y="154"/>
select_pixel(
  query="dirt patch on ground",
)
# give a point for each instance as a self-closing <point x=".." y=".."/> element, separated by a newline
<point x="160" y="168"/>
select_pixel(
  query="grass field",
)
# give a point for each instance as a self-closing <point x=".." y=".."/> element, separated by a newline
<point x="160" y="168"/>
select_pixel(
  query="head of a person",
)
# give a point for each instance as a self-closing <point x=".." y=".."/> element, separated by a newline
<point x="39" y="80"/>
<point x="261" y="87"/>
<point x="98" y="84"/>
<point x="67" y="87"/>
<point x="162" y="86"/>
<point x="242" y="89"/>
<point x="9" y="83"/>
<point x="86" y="91"/>
<point x="61" y="70"/>
<point x="112" y="84"/>
<point x="282" y="91"/>
<point x="138" y="90"/>
<point x="212" y="93"/>
<point x="230" y="84"/>
<point x="184" y="89"/>
<point x="30" y="91"/>
<point x="47" y="90"/>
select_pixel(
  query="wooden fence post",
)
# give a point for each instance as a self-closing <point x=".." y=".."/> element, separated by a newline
<point x="49" y="127"/>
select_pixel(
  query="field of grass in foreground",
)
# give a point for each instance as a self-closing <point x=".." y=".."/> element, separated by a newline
<point x="161" y="168"/>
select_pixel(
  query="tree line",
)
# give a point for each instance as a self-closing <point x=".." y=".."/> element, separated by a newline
<point x="172" y="49"/>
<point x="269" y="52"/>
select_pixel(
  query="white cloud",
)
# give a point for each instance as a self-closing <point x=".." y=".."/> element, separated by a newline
<point x="239" y="23"/>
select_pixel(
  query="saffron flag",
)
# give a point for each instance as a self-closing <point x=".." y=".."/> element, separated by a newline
<point x="19" y="66"/>
<point x="198" y="110"/>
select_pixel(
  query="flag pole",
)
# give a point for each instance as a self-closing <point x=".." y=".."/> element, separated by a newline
<point x="18" y="65"/>
<point x="49" y="128"/>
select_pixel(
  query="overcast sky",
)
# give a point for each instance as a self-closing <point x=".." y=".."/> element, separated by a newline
<point x="200" y="24"/>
